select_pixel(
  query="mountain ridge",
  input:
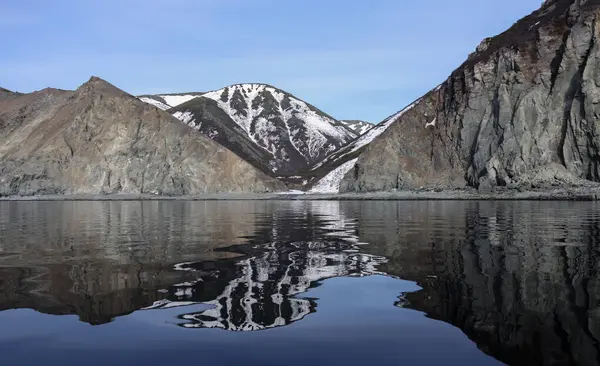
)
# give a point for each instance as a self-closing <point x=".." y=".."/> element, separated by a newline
<point x="99" y="139"/>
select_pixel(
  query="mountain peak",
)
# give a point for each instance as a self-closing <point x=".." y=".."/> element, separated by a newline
<point x="96" y="85"/>
<point x="552" y="17"/>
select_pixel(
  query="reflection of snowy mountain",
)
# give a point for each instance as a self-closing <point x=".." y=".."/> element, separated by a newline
<point x="260" y="290"/>
<point x="263" y="295"/>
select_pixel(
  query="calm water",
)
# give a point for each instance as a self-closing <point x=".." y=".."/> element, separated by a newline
<point x="299" y="283"/>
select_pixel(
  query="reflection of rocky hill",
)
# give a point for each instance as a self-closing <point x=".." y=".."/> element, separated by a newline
<point x="100" y="260"/>
<point x="521" y="279"/>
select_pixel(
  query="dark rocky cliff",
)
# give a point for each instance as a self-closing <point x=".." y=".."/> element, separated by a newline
<point x="522" y="111"/>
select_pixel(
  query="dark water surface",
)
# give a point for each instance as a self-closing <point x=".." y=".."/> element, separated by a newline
<point x="299" y="283"/>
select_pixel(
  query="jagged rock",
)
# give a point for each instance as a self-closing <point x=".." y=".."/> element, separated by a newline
<point x="522" y="111"/>
<point x="99" y="139"/>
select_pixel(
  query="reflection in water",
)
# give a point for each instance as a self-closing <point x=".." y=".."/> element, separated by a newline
<point x="263" y="296"/>
<point x="259" y="291"/>
<point x="519" y="278"/>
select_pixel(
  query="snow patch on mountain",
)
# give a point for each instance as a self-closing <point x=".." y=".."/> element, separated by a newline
<point x="167" y="101"/>
<point x="155" y="103"/>
<point x="331" y="182"/>
<point x="432" y="123"/>
<point x="175" y="100"/>
<point x="185" y="117"/>
<point x="359" y="127"/>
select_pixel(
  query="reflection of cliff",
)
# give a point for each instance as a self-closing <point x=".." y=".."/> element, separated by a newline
<point x="521" y="279"/>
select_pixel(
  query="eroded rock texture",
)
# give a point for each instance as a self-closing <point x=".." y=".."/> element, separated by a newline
<point x="522" y="111"/>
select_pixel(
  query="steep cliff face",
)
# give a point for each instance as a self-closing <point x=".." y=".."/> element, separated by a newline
<point x="522" y="111"/>
<point x="100" y="139"/>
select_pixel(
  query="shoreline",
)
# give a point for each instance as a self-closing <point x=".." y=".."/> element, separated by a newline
<point x="558" y="194"/>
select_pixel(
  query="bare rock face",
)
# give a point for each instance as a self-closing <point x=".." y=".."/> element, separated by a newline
<point x="99" y="140"/>
<point x="522" y="111"/>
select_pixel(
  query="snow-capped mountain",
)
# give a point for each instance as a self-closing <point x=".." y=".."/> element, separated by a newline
<point x="166" y="101"/>
<point x="267" y="126"/>
<point x="359" y="127"/>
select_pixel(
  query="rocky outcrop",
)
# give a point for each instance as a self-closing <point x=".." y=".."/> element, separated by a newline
<point x="522" y="111"/>
<point x="99" y="139"/>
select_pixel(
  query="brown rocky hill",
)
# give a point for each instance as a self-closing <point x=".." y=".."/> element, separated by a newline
<point x="99" y="139"/>
<point x="5" y="93"/>
<point x="522" y="111"/>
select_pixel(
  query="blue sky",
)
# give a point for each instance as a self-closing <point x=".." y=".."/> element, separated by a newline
<point x="352" y="59"/>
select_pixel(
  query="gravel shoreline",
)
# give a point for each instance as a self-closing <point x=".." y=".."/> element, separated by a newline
<point x="559" y="194"/>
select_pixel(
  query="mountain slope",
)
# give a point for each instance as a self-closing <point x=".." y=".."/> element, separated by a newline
<point x="520" y="112"/>
<point x="293" y="134"/>
<point x="205" y="115"/>
<point x="166" y="101"/>
<point x="100" y="139"/>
